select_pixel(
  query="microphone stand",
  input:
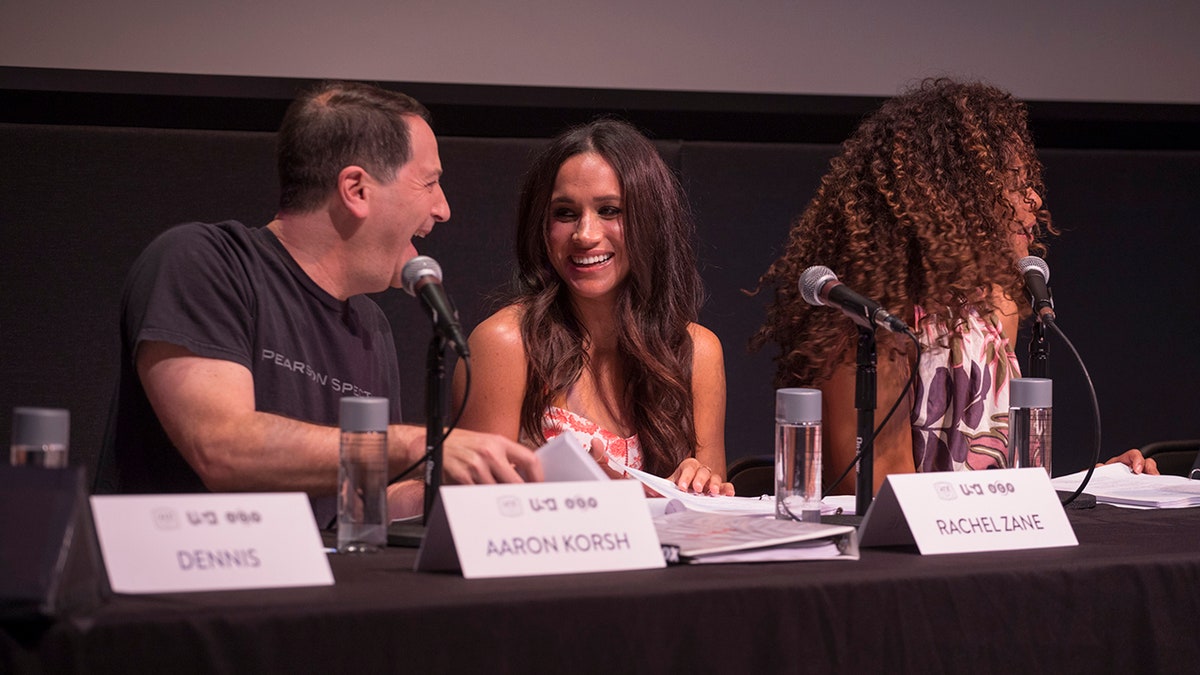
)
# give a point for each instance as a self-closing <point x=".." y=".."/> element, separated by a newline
<point x="1038" y="350"/>
<point x="864" y="402"/>
<point x="435" y="384"/>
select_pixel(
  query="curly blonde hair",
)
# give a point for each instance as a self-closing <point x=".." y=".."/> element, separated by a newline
<point x="914" y="212"/>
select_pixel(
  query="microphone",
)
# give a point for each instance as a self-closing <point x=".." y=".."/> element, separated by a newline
<point x="820" y="286"/>
<point x="423" y="275"/>
<point x="1037" y="275"/>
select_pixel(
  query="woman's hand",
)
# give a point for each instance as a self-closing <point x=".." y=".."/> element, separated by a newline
<point x="1136" y="463"/>
<point x="690" y="476"/>
<point x="693" y="476"/>
<point x="599" y="454"/>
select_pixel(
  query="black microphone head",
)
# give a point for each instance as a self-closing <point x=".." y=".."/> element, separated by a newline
<point x="1032" y="263"/>
<point x="813" y="280"/>
<point x="420" y="266"/>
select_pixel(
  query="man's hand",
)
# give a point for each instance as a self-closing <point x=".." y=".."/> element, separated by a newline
<point x="470" y="457"/>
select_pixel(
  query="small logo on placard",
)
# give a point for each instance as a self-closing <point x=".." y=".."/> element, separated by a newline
<point x="243" y="517"/>
<point x="944" y="491"/>
<point x="509" y="506"/>
<point x="165" y="519"/>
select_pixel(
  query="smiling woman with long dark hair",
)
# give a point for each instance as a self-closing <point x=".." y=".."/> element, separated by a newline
<point x="600" y="336"/>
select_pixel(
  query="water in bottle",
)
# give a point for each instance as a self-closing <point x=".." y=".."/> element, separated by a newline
<point x="798" y="454"/>
<point x="1029" y="423"/>
<point x="362" y="475"/>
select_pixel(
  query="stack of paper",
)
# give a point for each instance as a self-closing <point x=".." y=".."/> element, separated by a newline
<point x="700" y="537"/>
<point x="695" y="528"/>
<point x="706" y="529"/>
<point x="764" y="505"/>
<point x="1117" y="484"/>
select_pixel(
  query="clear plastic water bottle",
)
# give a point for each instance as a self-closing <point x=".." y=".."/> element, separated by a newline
<point x="1029" y="422"/>
<point x="798" y="454"/>
<point x="362" y="475"/>
<point x="40" y="437"/>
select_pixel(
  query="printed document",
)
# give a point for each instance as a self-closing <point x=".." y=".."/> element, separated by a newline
<point x="1116" y="484"/>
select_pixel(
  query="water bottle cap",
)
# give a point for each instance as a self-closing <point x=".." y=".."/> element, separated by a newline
<point x="364" y="413"/>
<point x="1030" y="392"/>
<point x="41" y="426"/>
<point x="795" y="405"/>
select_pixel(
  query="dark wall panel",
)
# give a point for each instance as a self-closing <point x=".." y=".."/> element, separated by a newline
<point x="77" y="204"/>
<point x="1126" y="285"/>
<point x="745" y="196"/>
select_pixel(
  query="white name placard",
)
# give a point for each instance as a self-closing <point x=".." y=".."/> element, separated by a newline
<point x="526" y="529"/>
<point x="566" y="458"/>
<point x="209" y="542"/>
<point x="965" y="511"/>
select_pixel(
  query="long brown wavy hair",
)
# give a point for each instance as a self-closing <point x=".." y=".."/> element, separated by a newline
<point x="659" y="299"/>
<point x="913" y="212"/>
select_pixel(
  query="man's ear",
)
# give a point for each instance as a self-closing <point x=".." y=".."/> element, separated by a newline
<point x="353" y="187"/>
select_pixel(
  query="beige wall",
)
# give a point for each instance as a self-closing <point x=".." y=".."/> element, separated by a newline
<point x="1098" y="50"/>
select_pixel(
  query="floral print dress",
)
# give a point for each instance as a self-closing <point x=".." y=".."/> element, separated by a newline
<point x="626" y="451"/>
<point x="960" y="414"/>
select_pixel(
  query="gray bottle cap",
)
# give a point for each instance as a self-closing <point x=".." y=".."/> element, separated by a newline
<point x="364" y="413"/>
<point x="797" y="406"/>
<point x="41" y="426"/>
<point x="1030" y="392"/>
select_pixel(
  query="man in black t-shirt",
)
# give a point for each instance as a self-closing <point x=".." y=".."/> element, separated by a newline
<point x="237" y="343"/>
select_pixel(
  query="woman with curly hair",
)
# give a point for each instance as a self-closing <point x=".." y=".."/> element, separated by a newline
<point x="927" y="210"/>
<point x="600" y="336"/>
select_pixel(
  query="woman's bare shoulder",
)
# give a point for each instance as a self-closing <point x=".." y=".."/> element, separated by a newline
<point x="500" y="331"/>
<point x="705" y="343"/>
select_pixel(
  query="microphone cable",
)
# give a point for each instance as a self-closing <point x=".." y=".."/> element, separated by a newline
<point x="869" y="443"/>
<point x="453" y="425"/>
<point x="1049" y="321"/>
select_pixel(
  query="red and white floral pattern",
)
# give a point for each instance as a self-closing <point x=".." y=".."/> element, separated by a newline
<point x="627" y="451"/>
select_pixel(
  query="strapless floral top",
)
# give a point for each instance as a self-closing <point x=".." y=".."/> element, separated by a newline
<point x="624" y="450"/>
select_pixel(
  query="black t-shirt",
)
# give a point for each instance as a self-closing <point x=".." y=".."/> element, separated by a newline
<point x="230" y="292"/>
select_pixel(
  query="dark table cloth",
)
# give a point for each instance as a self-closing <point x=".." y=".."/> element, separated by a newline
<point x="1127" y="599"/>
